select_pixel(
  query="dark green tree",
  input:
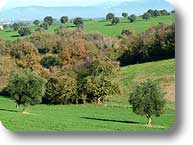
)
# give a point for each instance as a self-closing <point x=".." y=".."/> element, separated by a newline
<point x="147" y="99"/>
<point x="115" y="20"/>
<point x="44" y="25"/>
<point x="23" y="31"/>
<point x="16" y="26"/>
<point x="36" y="22"/>
<point x="110" y="16"/>
<point x="124" y="14"/>
<point x="146" y="16"/>
<point x="156" y="13"/>
<point x="49" y="61"/>
<point x="64" y="19"/>
<point x="78" y="21"/>
<point x="61" y="90"/>
<point x="132" y="18"/>
<point x="27" y="88"/>
<point x="49" y="20"/>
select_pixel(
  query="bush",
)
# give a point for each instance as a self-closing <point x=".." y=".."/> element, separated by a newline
<point x="147" y="99"/>
<point x="61" y="90"/>
<point x="36" y="22"/>
<point x="26" y="87"/>
<point x="23" y="31"/>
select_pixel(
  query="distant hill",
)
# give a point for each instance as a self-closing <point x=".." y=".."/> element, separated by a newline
<point x="39" y="12"/>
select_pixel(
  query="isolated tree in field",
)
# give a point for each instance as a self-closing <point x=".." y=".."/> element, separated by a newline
<point x="132" y="18"/>
<point x="44" y="25"/>
<point x="16" y="26"/>
<point x="110" y="16"/>
<point x="36" y="22"/>
<point x="115" y="20"/>
<point x="49" y="20"/>
<point x="23" y="31"/>
<point x="124" y="14"/>
<point x="64" y="19"/>
<point x="27" y="88"/>
<point x="78" y="21"/>
<point x="146" y="16"/>
<point x="147" y="99"/>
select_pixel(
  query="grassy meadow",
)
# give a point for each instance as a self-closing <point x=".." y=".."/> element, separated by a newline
<point x="101" y="26"/>
<point x="114" y="115"/>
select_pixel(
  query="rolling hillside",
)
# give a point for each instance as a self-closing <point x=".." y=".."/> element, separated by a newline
<point x="114" y="115"/>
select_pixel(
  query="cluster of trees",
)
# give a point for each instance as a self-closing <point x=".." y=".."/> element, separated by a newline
<point x="111" y="17"/>
<point x="157" y="43"/>
<point x="69" y="65"/>
<point x="155" y="13"/>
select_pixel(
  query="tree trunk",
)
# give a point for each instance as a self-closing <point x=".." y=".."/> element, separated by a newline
<point x="25" y="108"/>
<point x="17" y="106"/>
<point x="149" y="120"/>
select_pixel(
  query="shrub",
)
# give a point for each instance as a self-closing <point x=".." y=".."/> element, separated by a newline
<point x="124" y="14"/>
<point x="26" y="87"/>
<point x="147" y="99"/>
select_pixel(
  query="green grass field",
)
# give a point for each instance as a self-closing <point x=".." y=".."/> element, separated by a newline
<point x="103" y="27"/>
<point x="114" y="115"/>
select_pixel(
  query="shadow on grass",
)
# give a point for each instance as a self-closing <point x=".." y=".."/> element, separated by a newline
<point x="15" y="36"/>
<point x="111" y="120"/>
<point x="108" y="25"/>
<point x="71" y="26"/>
<point x="8" y="110"/>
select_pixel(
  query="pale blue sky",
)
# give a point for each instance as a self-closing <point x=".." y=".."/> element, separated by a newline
<point x="18" y="3"/>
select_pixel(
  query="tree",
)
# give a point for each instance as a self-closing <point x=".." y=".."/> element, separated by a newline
<point x="49" y="20"/>
<point x="61" y="89"/>
<point x="27" y="88"/>
<point x="156" y="13"/>
<point x="115" y="20"/>
<point x="23" y="31"/>
<point x="147" y="99"/>
<point x="78" y="21"/>
<point x="110" y="16"/>
<point x="36" y="22"/>
<point x="49" y="61"/>
<point x="146" y="16"/>
<point x="124" y="14"/>
<point x="64" y="19"/>
<point x="44" y="25"/>
<point x="151" y="12"/>
<point x="132" y="18"/>
<point x="15" y="26"/>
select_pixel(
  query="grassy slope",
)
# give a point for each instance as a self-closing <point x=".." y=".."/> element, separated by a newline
<point x="114" y="115"/>
<point x="103" y="27"/>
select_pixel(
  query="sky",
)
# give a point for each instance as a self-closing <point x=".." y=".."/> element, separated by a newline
<point x="6" y="4"/>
